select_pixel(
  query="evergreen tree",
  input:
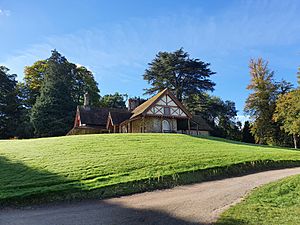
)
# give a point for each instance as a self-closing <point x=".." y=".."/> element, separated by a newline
<point x="179" y="73"/>
<point x="9" y="104"/>
<point x="246" y="133"/>
<point x="83" y="81"/>
<point x="54" y="110"/>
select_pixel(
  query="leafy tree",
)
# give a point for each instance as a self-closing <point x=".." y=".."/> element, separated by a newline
<point x="260" y="104"/>
<point x="298" y="76"/>
<point x="9" y="104"/>
<point x="33" y="81"/>
<point x="179" y="73"/>
<point x="54" y="110"/>
<point x="221" y="115"/>
<point x="246" y="133"/>
<point x="288" y="112"/>
<point x="83" y="81"/>
<point x="114" y="100"/>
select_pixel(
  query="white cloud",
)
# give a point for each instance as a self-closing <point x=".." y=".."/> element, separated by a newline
<point x="4" y="12"/>
<point x="120" y="52"/>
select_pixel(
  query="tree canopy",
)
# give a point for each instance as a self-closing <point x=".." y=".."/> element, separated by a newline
<point x="54" y="110"/>
<point x="9" y="103"/>
<point x="82" y="81"/>
<point x="288" y="112"/>
<point x="179" y="73"/>
<point x="116" y="100"/>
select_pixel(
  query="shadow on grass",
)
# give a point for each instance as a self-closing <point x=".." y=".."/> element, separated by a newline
<point x="20" y="184"/>
<point x="31" y="186"/>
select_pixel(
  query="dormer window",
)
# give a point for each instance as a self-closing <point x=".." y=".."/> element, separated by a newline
<point x="167" y="111"/>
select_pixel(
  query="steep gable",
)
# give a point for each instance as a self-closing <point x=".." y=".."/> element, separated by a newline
<point x="162" y="104"/>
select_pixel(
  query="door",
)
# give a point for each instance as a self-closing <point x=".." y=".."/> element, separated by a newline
<point x="166" y="126"/>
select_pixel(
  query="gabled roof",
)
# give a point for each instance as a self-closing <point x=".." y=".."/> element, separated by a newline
<point x="143" y="108"/>
<point x="95" y="115"/>
<point x="119" y="117"/>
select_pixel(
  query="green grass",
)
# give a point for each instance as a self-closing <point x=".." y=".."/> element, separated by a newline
<point x="87" y="166"/>
<point x="277" y="203"/>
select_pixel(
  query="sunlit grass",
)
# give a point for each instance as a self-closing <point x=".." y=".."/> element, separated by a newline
<point x="90" y="162"/>
<point x="277" y="203"/>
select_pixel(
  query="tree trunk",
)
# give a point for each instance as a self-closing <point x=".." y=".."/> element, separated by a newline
<point x="295" y="140"/>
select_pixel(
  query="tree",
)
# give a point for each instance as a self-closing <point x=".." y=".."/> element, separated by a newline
<point x="246" y="133"/>
<point x="83" y="81"/>
<point x="9" y="103"/>
<point x="33" y="80"/>
<point x="221" y="115"/>
<point x="114" y="100"/>
<point x="298" y="76"/>
<point x="260" y="104"/>
<point x="179" y="73"/>
<point x="54" y="110"/>
<point x="288" y="112"/>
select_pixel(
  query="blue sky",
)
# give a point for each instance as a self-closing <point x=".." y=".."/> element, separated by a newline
<point x="116" y="39"/>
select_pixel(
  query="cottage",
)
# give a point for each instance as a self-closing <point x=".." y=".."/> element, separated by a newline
<point x="162" y="113"/>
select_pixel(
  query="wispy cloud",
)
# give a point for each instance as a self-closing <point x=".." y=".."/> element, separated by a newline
<point x="4" y="12"/>
<point x="119" y="53"/>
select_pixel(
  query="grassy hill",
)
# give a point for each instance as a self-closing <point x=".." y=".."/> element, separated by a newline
<point x="50" y="169"/>
<point x="277" y="203"/>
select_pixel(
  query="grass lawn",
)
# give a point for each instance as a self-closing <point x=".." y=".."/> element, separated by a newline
<point x="113" y="164"/>
<point x="277" y="203"/>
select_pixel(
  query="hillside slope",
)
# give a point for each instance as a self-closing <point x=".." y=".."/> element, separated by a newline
<point x="113" y="164"/>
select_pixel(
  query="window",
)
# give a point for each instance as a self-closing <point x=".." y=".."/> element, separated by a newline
<point x="167" y="111"/>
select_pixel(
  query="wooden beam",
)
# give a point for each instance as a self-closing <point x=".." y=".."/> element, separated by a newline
<point x="189" y="126"/>
<point x="143" y="124"/>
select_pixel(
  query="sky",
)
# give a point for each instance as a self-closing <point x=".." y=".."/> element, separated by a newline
<point x="117" y="39"/>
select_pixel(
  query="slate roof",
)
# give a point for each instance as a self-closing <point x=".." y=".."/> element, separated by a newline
<point x="119" y="117"/>
<point x="202" y="124"/>
<point x="96" y="116"/>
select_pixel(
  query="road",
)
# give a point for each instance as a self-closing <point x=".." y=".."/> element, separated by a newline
<point x="197" y="204"/>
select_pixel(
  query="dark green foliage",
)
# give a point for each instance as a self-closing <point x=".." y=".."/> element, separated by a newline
<point x="54" y="110"/>
<point x="221" y="115"/>
<point x="115" y="100"/>
<point x="179" y="73"/>
<point x="84" y="82"/>
<point x="9" y="104"/>
<point x="246" y="133"/>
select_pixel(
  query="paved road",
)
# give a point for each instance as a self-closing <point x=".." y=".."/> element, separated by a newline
<point x="198" y="204"/>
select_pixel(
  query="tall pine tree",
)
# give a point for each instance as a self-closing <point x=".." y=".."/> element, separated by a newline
<point x="9" y="104"/>
<point x="53" y="112"/>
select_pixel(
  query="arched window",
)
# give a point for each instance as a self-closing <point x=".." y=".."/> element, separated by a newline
<point x="166" y="126"/>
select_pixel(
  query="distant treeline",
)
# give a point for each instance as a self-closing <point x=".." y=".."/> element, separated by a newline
<point x="44" y="103"/>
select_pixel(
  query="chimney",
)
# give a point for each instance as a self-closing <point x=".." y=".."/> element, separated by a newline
<point x="133" y="103"/>
<point x="86" y="101"/>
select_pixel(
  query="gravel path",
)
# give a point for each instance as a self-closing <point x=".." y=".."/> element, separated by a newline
<point x="199" y="204"/>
